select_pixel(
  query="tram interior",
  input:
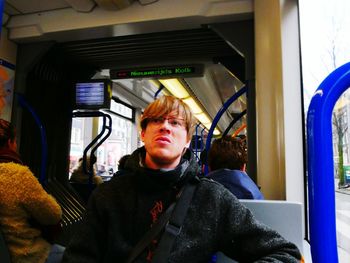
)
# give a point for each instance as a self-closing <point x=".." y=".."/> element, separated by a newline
<point x="49" y="66"/>
<point x="64" y="64"/>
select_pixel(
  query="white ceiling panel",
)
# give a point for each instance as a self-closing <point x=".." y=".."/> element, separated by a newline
<point x="33" y="6"/>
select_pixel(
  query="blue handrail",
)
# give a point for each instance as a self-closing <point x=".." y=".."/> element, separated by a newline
<point x="322" y="216"/>
<point x="217" y="118"/>
<point x="1" y="12"/>
<point x="234" y="121"/>
<point x="158" y="91"/>
<point x="24" y="104"/>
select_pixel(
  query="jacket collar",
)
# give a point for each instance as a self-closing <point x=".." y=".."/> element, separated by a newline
<point x="162" y="178"/>
<point x="7" y="156"/>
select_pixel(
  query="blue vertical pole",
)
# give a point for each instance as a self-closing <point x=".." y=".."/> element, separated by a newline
<point x="1" y="14"/>
<point x="322" y="216"/>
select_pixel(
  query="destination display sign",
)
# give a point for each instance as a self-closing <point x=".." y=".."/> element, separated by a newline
<point x="158" y="72"/>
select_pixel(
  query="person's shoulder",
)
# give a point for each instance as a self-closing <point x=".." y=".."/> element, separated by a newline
<point x="16" y="168"/>
<point x="219" y="196"/>
<point x="12" y="165"/>
<point x="220" y="173"/>
<point x="117" y="182"/>
<point x="207" y="181"/>
<point x="213" y="187"/>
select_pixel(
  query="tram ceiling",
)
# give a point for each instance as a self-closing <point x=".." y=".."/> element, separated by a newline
<point x="15" y="7"/>
<point x="186" y="46"/>
<point x="174" y="47"/>
<point x="195" y="46"/>
<point x="65" y="20"/>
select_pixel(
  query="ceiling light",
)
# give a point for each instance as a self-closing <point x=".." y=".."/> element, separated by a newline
<point x="175" y="87"/>
<point x="193" y="105"/>
<point x="203" y="118"/>
<point x="216" y="132"/>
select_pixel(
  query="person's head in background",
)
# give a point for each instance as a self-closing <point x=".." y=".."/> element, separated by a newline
<point x="227" y="152"/>
<point x="79" y="167"/>
<point x="122" y="161"/>
<point x="7" y="136"/>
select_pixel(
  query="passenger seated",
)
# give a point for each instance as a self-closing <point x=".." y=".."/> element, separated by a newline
<point x="163" y="172"/>
<point x="79" y="176"/>
<point x="23" y="201"/>
<point x="122" y="165"/>
<point x="122" y="162"/>
<point x="227" y="160"/>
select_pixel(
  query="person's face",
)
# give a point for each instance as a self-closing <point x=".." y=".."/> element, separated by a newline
<point x="165" y="139"/>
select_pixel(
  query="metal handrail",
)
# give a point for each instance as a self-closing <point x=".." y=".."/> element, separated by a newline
<point x="322" y="217"/>
<point x="105" y="127"/>
<point x="44" y="148"/>
<point x="233" y="122"/>
<point x="216" y="120"/>
<point x="97" y="141"/>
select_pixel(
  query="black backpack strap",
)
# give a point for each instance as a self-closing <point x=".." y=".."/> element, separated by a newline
<point x="173" y="227"/>
<point x="150" y="234"/>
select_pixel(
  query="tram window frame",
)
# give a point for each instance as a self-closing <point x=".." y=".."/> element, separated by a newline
<point x="105" y="148"/>
<point x="89" y="132"/>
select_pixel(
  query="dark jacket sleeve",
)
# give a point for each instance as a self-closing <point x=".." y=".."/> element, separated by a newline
<point x="245" y="239"/>
<point x="87" y="243"/>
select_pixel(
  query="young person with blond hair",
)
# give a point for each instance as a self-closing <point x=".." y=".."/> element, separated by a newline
<point x="122" y="210"/>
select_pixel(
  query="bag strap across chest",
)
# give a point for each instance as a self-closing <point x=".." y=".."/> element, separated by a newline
<point x="171" y="221"/>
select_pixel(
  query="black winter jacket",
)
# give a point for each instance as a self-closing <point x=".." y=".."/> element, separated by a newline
<point x="122" y="210"/>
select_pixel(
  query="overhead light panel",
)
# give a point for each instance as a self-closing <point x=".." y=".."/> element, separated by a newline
<point x="193" y="105"/>
<point x="203" y="118"/>
<point x="175" y="87"/>
<point x="216" y="132"/>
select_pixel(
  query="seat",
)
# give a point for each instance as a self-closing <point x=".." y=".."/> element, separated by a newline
<point x="283" y="216"/>
<point x="4" y="252"/>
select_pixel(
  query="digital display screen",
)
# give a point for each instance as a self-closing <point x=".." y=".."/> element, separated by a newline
<point x="158" y="72"/>
<point x="91" y="95"/>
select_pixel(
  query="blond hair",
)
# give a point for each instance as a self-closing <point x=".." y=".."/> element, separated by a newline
<point x="166" y="105"/>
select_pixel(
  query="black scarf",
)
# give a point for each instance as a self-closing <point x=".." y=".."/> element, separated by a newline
<point x="162" y="179"/>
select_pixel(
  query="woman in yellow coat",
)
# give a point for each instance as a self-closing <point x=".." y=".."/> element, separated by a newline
<point x="22" y="201"/>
